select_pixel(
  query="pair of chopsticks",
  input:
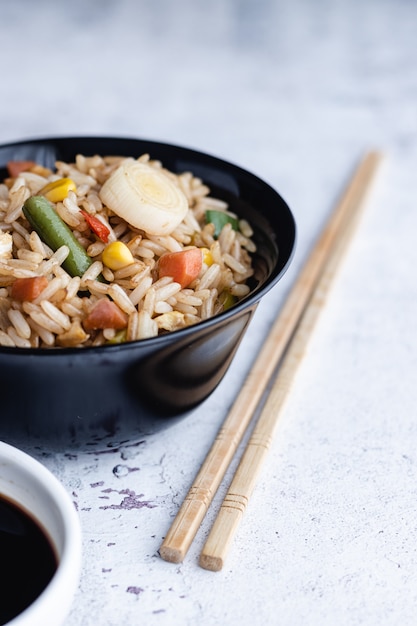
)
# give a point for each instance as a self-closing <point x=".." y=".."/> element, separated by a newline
<point x="284" y="347"/>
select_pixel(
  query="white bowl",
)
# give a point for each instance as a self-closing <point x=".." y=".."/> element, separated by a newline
<point x="31" y="486"/>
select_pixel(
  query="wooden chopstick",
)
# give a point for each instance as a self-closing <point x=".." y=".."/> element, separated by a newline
<point x="234" y="504"/>
<point x="190" y="515"/>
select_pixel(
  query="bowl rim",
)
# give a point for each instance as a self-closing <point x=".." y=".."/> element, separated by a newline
<point x="248" y="301"/>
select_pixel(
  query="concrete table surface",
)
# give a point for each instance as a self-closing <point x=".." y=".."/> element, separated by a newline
<point x="295" y="91"/>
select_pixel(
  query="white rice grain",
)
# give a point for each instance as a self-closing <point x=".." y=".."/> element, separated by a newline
<point x="132" y="326"/>
<point x="245" y="242"/>
<point x="161" y="282"/>
<point x="92" y="273"/>
<point x="37" y="244"/>
<point x="118" y="231"/>
<point x="46" y="336"/>
<point x="19" y="228"/>
<point x="121" y="298"/>
<point x="15" y="272"/>
<point x="166" y="291"/>
<point x="239" y="290"/>
<point x="57" y="258"/>
<point x="17" y="199"/>
<point x="108" y="274"/>
<point x="33" y="181"/>
<point x="71" y="309"/>
<point x="73" y="287"/>
<point x="43" y="320"/>
<point x="20" y="264"/>
<point x="234" y="264"/>
<point x="214" y="203"/>
<point x="226" y="238"/>
<point x="6" y="340"/>
<point x="4" y="193"/>
<point x="53" y="286"/>
<point x="19" y="242"/>
<point x="96" y="248"/>
<point x="19" y="341"/>
<point x="245" y="228"/>
<point x="109" y="333"/>
<point x="94" y="203"/>
<point x="55" y="314"/>
<point x="139" y="292"/>
<point x="210" y="277"/>
<point x="148" y="303"/>
<point x="19" y="322"/>
<point x="59" y="272"/>
<point x="82" y="190"/>
<point x="168" y="243"/>
<point x="144" y="252"/>
<point x="95" y="287"/>
<point x="129" y="270"/>
<point x="147" y="327"/>
<point x="202" y="294"/>
<point x="186" y="308"/>
<point x="162" y="307"/>
<point x="155" y="247"/>
<point x="207" y="308"/>
<point x="30" y="255"/>
<point x="188" y="297"/>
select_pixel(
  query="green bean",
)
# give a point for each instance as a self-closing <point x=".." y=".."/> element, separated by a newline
<point x="53" y="231"/>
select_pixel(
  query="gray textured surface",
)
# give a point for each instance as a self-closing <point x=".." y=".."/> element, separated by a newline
<point x="296" y="92"/>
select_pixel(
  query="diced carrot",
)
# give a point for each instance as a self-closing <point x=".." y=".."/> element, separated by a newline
<point x="96" y="226"/>
<point x="28" y="289"/>
<point x="14" y="168"/>
<point x="105" y="314"/>
<point x="183" y="266"/>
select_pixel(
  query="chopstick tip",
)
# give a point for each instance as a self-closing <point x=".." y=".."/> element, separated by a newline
<point x="209" y="562"/>
<point x="172" y="555"/>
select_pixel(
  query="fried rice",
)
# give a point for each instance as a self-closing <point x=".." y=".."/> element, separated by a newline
<point x="152" y="304"/>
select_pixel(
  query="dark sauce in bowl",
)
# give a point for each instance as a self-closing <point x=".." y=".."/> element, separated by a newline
<point x="28" y="560"/>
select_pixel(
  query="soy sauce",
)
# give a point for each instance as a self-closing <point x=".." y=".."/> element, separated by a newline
<point x="28" y="561"/>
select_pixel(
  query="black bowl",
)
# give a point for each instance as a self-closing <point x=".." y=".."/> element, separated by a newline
<point x="142" y="384"/>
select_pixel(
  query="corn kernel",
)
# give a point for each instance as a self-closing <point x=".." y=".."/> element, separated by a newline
<point x="207" y="256"/>
<point x="227" y="300"/>
<point x="58" y="190"/>
<point x="117" y="255"/>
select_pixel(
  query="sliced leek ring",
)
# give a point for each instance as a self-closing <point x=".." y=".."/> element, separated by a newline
<point x="145" y="197"/>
